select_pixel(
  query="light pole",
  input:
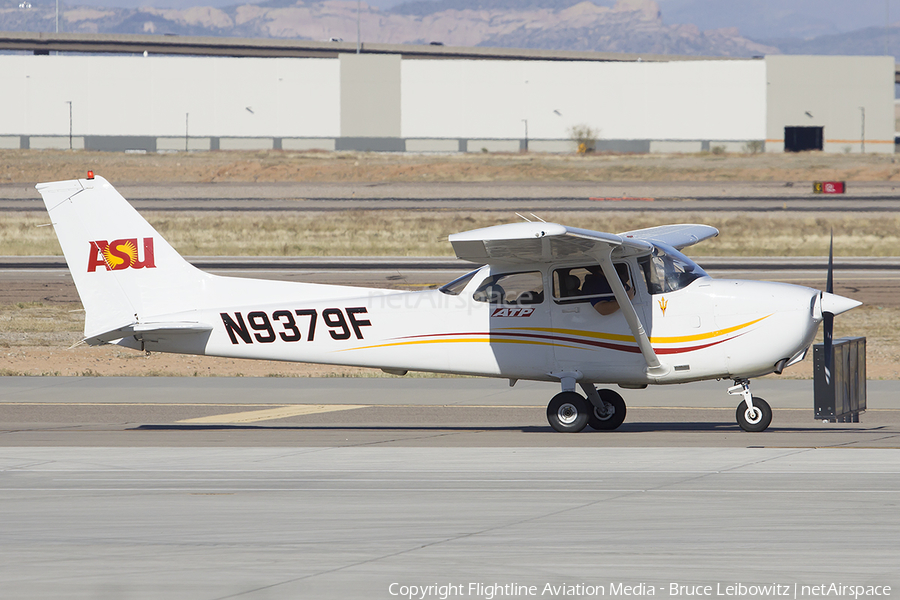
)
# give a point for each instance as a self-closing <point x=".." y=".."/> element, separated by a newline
<point x="57" y="16"/>
<point x="862" y="131"/>
<point x="69" y="102"/>
<point x="526" y="134"/>
<point x="186" y="115"/>
<point x="357" y="27"/>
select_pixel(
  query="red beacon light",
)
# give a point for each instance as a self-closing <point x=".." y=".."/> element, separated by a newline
<point x="90" y="175"/>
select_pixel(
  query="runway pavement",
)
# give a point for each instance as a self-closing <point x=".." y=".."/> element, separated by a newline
<point x="202" y="488"/>
<point x="423" y="412"/>
<point x="490" y="196"/>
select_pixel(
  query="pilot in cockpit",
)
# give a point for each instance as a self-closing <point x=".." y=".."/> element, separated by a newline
<point x="595" y="283"/>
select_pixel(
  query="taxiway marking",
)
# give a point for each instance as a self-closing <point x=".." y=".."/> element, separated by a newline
<point x="254" y="416"/>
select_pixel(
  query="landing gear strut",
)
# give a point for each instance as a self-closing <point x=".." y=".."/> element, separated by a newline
<point x="608" y="408"/>
<point x="753" y="414"/>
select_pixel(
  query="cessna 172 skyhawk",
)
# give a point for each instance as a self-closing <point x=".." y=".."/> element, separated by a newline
<point x="552" y="303"/>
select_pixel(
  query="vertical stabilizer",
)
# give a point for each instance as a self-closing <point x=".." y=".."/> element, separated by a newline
<point x="123" y="269"/>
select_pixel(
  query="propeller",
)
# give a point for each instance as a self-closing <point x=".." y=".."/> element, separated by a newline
<point x="828" y="317"/>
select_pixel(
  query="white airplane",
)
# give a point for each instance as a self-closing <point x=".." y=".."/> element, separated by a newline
<point x="552" y="303"/>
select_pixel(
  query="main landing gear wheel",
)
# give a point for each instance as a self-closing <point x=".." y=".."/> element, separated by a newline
<point x="612" y="416"/>
<point x="755" y="419"/>
<point x="568" y="412"/>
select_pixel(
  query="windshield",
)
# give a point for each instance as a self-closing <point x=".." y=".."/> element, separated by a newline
<point x="668" y="270"/>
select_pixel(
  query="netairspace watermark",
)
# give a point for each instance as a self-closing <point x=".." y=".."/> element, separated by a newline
<point x="492" y="591"/>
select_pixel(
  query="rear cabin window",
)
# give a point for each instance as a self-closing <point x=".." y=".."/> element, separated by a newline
<point x="455" y="287"/>
<point x="512" y="288"/>
<point x="583" y="284"/>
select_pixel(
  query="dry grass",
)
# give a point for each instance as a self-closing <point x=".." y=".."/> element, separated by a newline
<point x="30" y="166"/>
<point x="35" y="318"/>
<point x="424" y="233"/>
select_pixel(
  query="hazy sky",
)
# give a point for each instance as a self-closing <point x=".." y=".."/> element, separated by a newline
<point x="758" y="19"/>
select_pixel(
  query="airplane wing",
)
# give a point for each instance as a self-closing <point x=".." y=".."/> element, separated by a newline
<point x="677" y="236"/>
<point x="524" y="243"/>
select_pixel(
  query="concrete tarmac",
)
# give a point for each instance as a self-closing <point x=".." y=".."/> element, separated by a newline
<point x="206" y="488"/>
<point x="371" y="523"/>
<point x="419" y="412"/>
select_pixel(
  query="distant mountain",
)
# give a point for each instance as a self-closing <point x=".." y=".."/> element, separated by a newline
<point x="624" y="26"/>
<point x="422" y="8"/>
<point x="872" y="41"/>
<point x="779" y="19"/>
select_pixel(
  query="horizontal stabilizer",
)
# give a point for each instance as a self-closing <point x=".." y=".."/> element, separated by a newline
<point x="149" y="330"/>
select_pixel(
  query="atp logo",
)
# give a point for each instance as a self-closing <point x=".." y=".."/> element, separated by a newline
<point x="119" y="255"/>
<point x="512" y="312"/>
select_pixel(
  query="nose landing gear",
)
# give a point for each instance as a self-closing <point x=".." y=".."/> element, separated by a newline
<point x="753" y="414"/>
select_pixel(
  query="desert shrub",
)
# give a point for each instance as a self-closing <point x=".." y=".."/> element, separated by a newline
<point x="585" y="138"/>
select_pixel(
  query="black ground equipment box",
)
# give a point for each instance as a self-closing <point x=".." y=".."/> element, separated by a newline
<point x="843" y="398"/>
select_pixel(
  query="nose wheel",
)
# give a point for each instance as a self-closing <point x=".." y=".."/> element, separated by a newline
<point x="753" y="414"/>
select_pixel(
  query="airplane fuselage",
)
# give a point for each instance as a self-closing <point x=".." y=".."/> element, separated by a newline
<point x="709" y="329"/>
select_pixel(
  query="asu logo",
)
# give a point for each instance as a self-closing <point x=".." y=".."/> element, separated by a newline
<point x="118" y="255"/>
<point x="663" y="303"/>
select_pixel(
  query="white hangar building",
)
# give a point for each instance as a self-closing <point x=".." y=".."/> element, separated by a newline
<point x="427" y="99"/>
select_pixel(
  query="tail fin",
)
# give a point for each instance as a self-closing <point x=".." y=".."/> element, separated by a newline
<point x="124" y="270"/>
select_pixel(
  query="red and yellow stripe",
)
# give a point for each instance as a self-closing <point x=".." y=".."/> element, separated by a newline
<point x="572" y="338"/>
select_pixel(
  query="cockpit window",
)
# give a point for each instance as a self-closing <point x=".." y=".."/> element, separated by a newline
<point x="455" y="287"/>
<point x="512" y="288"/>
<point x="667" y="270"/>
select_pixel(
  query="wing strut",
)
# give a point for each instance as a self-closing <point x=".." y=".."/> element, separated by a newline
<point x="654" y="367"/>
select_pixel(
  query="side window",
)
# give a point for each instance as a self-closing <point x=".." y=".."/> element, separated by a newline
<point x="512" y="288"/>
<point x="583" y="284"/>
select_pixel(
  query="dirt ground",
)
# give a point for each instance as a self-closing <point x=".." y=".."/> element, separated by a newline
<point x="38" y="339"/>
<point x="31" y="166"/>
